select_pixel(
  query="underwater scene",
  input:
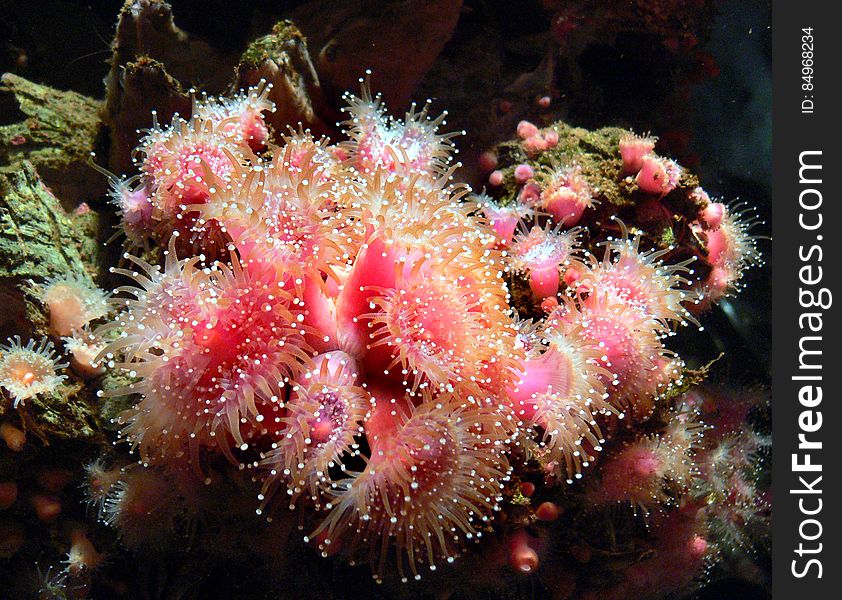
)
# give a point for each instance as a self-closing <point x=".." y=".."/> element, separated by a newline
<point x="385" y="299"/>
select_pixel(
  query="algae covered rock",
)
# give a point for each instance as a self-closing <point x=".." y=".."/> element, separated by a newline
<point x="38" y="240"/>
<point x="54" y="130"/>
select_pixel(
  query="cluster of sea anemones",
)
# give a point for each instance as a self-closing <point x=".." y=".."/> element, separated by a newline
<point x="337" y="318"/>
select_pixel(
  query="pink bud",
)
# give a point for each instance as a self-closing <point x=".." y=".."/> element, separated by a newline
<point x="713" y="214"/>
<point x="526" y="130"/>
<point x="496" y="178"/>
<point x="523" y="173"/>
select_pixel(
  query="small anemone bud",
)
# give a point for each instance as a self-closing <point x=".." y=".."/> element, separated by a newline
<point x="15" y="438"/>
<point x="540" y="142"/>
<point x="523" y="555"/>
<point x="8" y="494"/>
<point x="530" y="194"/>
<point x="26" y="371"/>
<point x="487" y="161"/>
<point x="698" y="547"/>
<point x="633" y="149"/>
<point x="713" y="214"/>
<point x="84" y="347"/>
<point x="541" y="254"/>
<point x="82" y="557"/>
<point x="527" y="488"/>
<point x="658" y="175"/>
<point x="548" y="511"/>
<point x="565" y="194"/>
<point x="523" y="173"/>
<point x="73" y="302"/>
<point x="47" y="508"/>
<point x="526" y="130"/>
<point x="495" y="179"/>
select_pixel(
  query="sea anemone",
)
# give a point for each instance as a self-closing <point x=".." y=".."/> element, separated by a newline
<point x="642" y="280"/>
<point x="433" y="328"/>
<point x="565" y="194"/>
<point x="176" y="161"/>
<point x="323" y="420"/>
<point x="658" y="175"/>
<point x="629" y="348"/>
<point x="276" y="215"/>
<point x="26" y="371"/>
<point x="214" y="345"/>
<point x="503" y="220"/>
<point x="434" y="479"/>
<point x="73" y="302"/>
<point x="380" y="142"/>
<point x="634" y="148"/>
<point x="145" y="507"/>
<point x="543" y="254"/>
<point x="731" y="249"/>
<point x="239" y="117"/>
<point x="84" y="348"/>
<point x="561" y="391"/>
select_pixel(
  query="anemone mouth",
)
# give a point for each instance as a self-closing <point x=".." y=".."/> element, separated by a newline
<point x="429" y="487"/>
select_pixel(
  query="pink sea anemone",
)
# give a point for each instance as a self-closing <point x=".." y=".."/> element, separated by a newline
<point x="543" y="254"/>
<point x="433" y="480"/>
<point x="561" y="391"/>
<point x="565" y="194"/>
<point x="642" y="280"/>
<point x="658" y="175"/>
<point x="320" y="428"/>
<point x="382" y="142"/>
<point x="73" y="301"/>
<point x="213" y="345"/>
<point x="633" y="149"/>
